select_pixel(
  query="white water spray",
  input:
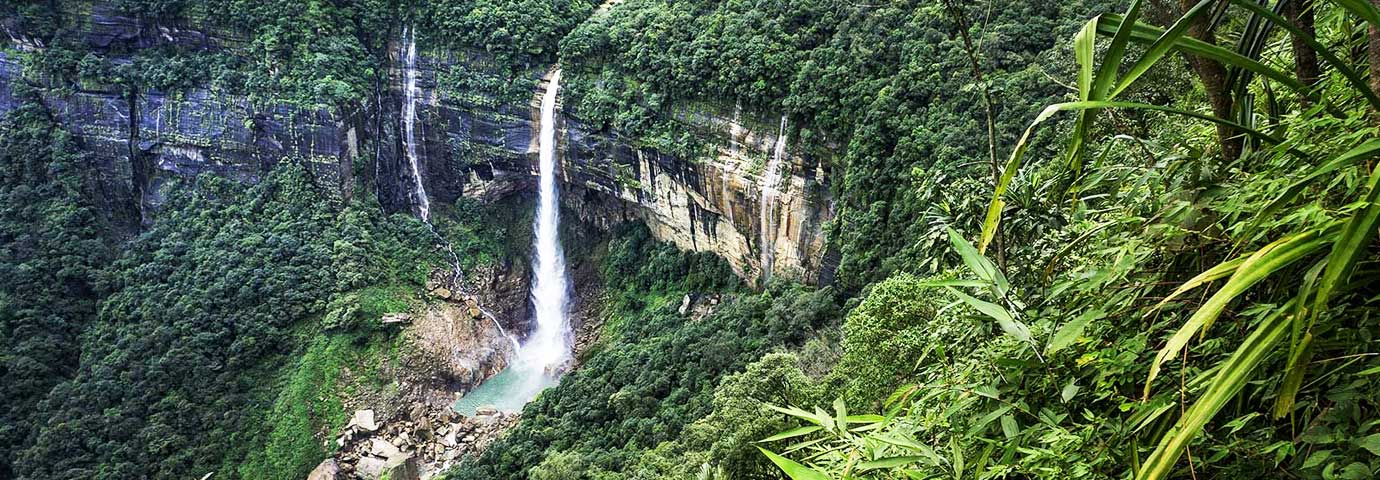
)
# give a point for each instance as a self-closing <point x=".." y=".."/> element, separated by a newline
<point x="771" y="179"/>
<point x="409" y="119"/>
<point x="546" y="352"/>
<point x="549" y="346"/>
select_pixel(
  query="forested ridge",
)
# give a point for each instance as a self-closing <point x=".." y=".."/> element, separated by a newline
<point x="1088" y="239"/>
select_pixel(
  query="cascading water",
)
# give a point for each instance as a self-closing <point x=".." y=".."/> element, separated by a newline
<point x="408" y="54"/>
<point x="409" y="120"/>
<point x="771" y="179"/>
<point x="543" y="355"/>
<point x="549" y="345"/>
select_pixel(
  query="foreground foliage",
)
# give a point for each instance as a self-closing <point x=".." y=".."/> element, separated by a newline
<point x="1260" y="365"/>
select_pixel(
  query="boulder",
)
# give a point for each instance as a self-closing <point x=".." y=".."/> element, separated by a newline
<point x="442" y="292"/>
<point x="402" y="469"/>
<point x="383" y="448"/>
<point x="364" y="420"/>
<point x="327" y="470"/>
<point x="396" y="318"/>
<point x="370" y="467"/>
<point x="685" y="305"/>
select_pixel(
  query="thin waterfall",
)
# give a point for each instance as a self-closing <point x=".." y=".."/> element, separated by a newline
<point x="408" y="54"/>
<point x="771" y="180"/>
<point x="549" y="345"/>
<point x="409" y="119"/>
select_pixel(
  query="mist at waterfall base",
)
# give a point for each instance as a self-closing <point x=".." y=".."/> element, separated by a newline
<point x="538" y="362"/>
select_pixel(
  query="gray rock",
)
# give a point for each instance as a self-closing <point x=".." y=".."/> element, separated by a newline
<point x="327" y="470"/>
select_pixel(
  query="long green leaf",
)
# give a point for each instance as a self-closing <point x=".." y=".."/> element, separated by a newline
<point x="1229" y="380"/>
<point x="979" y="264"/>
<point x="792" y="433"/>
<point x="1111" y="61"/>
<point x="1216" y="272"/>
<point x="1159" y="48"/>
<point x="1350" y="157"/>
<point x="1070" y="332"/>
<point x="1084" y="44"/>
<point x="1358" y="234"/>
<point x="794" y="470"/>
<point x="1257" y="267"/>
<point x="994" y="209"/>
<point x="1363" y="9"/>
<point x="1147" y="34"/>
<point x="890" y="462"/>
<point x="1008" y="323"/>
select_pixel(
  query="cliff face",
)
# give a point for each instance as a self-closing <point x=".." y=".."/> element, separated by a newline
<point x="754" y="201"/>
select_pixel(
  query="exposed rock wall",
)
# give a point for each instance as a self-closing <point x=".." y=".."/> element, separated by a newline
<point x="472" y="144"/>
<point x="713" y="204"/>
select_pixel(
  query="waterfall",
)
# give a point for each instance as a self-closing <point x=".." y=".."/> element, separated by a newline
<point x="546" y="351"/>
<point x="409" y="120"/>
<point x="408" y="54"/>
<point x="549" y="345"/>
<point x="771" y="179"/>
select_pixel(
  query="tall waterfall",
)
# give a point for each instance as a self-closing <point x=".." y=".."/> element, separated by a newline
<point x="409" y="120"/>
<point x="771" y="180"/>
<point x="541" y="357"/>
<point x="549" y="345"/>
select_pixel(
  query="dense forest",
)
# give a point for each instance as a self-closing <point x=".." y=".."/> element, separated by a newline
<point x="1085" y="239"/>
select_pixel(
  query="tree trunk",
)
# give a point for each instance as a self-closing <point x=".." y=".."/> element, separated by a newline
<point x="1373" y="54"/>
<point x="1306" y="68"/>
<point x="1214" y="78"/>
<point x="998" y="240"/>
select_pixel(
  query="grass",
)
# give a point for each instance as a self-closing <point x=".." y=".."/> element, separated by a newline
<point x="310" y="401"/>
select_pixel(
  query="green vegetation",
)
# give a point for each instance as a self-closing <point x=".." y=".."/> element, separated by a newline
<point x="177" y="366"/>
<point x="52" y="248"/>
<point x="883" y="91"/>
<point x="1078" y="240"/>
<point x="308" y="406"/>
<point x="1109" y="364"/>
<point x="656" y="377"/>
<point x="309" y="53"/>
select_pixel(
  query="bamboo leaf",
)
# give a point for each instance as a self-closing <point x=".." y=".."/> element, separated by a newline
<point x="1217" y="272"/>
<point x="979" y="264"/>
<point x="792" y="469"/>
<point x="1233" y="375"/>
<point x="1008" y="323"/>
<point x="792" y="433"/>
<point x="994" y="209"/>
<point x="798" y="413"/>
<point x="1257" y="267"/>
<point x="954" y="283"/>
<point x="890" y="462"/>
<point x="1349" y="158"/>
<point x="1070" y="332"/>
